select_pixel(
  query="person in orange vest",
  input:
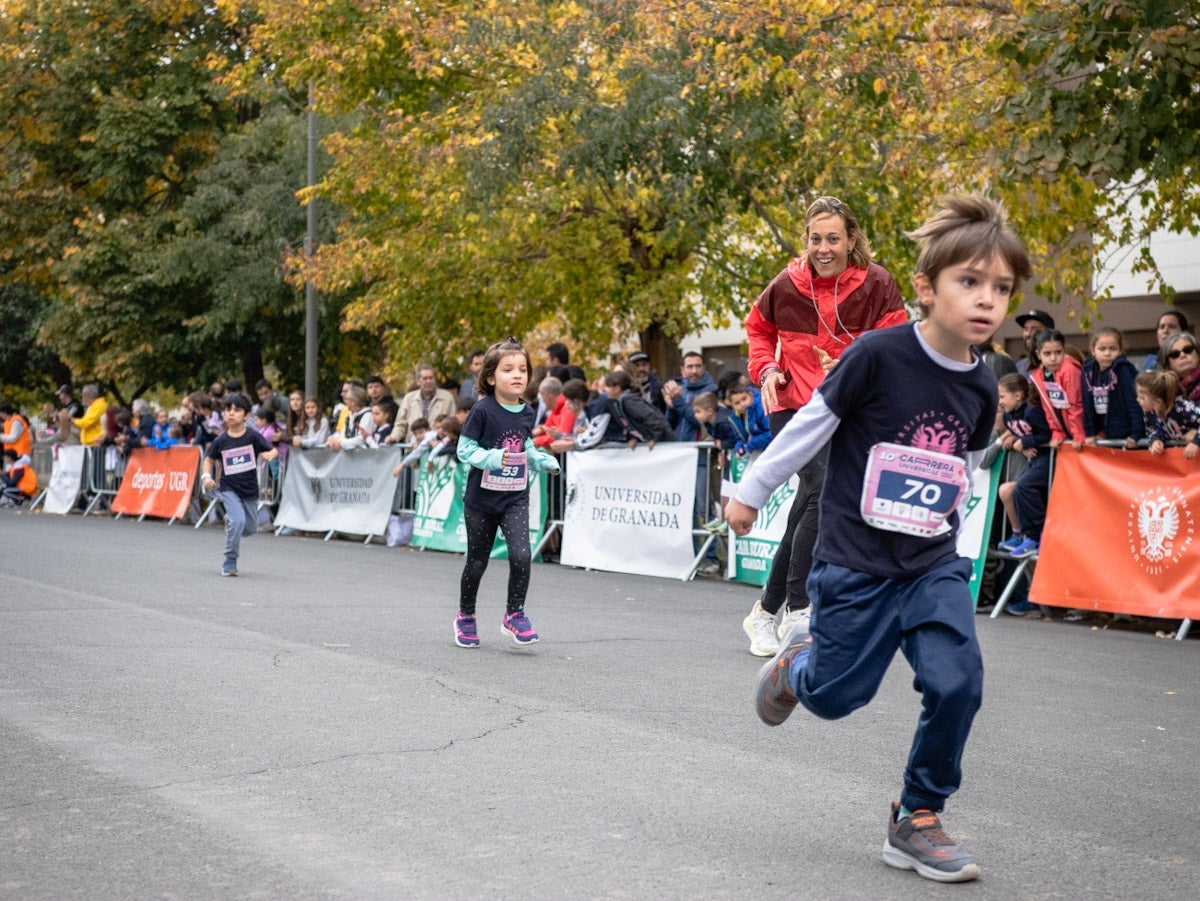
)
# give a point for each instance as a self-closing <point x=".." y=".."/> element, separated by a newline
<point x="17" y="434"/>
<point x="19" y="479"/>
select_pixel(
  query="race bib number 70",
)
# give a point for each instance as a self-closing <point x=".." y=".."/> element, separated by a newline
<point x="912" y="491"/>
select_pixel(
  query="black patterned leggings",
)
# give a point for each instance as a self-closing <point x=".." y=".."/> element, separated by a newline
<point x="481" y="535"/>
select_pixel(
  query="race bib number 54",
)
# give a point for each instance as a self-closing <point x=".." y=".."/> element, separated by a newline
<point x="912" y="491"/>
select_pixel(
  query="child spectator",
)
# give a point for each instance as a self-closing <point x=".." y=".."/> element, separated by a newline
<point x="296" y="417"/>
<point x="713" y="419"/>
<point x="239" y="449"/>
<point x="315" y="431"/>
<point x="560" y="422"/>
<point x="129" y="435"/>
<point x="424" y="438"/>
<point x="1026" y="432"/>
<point x="573" y="421"/>
<point x="904" y="403"/>
<point x="1169" y="415"/>
<point x="497" y="445"/>
<point x="638" y="419"/>
<point x="1060" y="387"/>
<point x="158" y="433"/>
<point x="447" y="445"/>
<point x="383" y="414"/>
<point x="1110" y="407"/>
<point x="19" y="480"/>
<point x="747" y="420"/>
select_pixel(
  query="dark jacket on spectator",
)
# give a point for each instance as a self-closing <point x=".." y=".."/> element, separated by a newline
<point x="1124" y="417"/>
<point x="639" y="419"/>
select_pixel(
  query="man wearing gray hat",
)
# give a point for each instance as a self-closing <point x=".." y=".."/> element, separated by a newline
<point x="649" y="384"/>
<point x="1031" y="322"/>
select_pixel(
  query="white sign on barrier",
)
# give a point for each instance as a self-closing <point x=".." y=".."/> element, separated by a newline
<point x="66" y="479"/>
<point x="631" y="511"/>
<point x="343" y="491"/>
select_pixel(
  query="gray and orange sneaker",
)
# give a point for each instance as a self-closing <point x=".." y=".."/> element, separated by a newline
<point x="774" y="697"/>
<point x="918" y="842"/>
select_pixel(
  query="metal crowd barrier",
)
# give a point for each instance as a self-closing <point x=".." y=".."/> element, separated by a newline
<point x="105" y="467"/>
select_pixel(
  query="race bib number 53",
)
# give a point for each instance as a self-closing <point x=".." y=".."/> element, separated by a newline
<point x="512" y="477"/>
<point x="912" y="491"/>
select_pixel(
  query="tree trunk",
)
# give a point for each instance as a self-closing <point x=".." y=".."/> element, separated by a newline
<point x="665" y="356"/>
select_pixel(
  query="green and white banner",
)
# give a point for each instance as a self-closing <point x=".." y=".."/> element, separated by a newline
<point x="438" y="508"/>
<point x="976" y="526"/>
<point x="750" y="556"/>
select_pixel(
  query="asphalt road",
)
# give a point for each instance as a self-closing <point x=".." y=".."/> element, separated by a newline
<point x="309" y="730"/>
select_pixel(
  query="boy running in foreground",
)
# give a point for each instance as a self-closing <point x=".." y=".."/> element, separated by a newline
<point x="908" y="411"/>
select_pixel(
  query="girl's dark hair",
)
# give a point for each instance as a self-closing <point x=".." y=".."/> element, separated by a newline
<point x="1016" y="383"/>
<point x="1047" y="335"/>
<point x="619" y="378"/>
<point x="727" y="382"/>
<point x="491" y="360"/>
<point x="388" y="407"/>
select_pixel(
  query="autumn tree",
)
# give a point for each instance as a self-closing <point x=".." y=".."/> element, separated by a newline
<point x="609" y="167"/>
<point x="1111" y="97"/>
<point x="153" y="207"/>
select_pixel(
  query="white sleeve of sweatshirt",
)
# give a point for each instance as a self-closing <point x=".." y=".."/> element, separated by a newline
<point x="807" y="432"/>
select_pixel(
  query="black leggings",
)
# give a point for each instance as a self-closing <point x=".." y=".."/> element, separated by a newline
<point x="788" y="579"/>
<point x="481" y="535"/>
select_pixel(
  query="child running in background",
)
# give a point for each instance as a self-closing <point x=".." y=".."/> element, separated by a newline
<point x="497" y="444"/>
<point x="907" y="414"/>
<point x="1110" y="407"/>
<point x="239" y="449"/>
<point x="1026" y="432"/>
<point x="1060" y="387"/>
<point x="1169" y="415"/>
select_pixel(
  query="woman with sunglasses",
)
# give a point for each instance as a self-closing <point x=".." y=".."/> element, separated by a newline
<point x="1178" y="354"/>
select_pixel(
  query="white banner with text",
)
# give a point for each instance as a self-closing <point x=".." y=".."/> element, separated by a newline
<point x="631" y="511"/>
<point x="339" y="491"/>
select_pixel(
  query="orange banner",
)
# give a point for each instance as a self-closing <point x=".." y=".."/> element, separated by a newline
<point x="1121" y="534"/>
<point x="158" y="482"/>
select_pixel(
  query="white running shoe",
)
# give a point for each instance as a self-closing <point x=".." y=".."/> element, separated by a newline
<point x="792" y="618"/>
<point x="760" y="626"/>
